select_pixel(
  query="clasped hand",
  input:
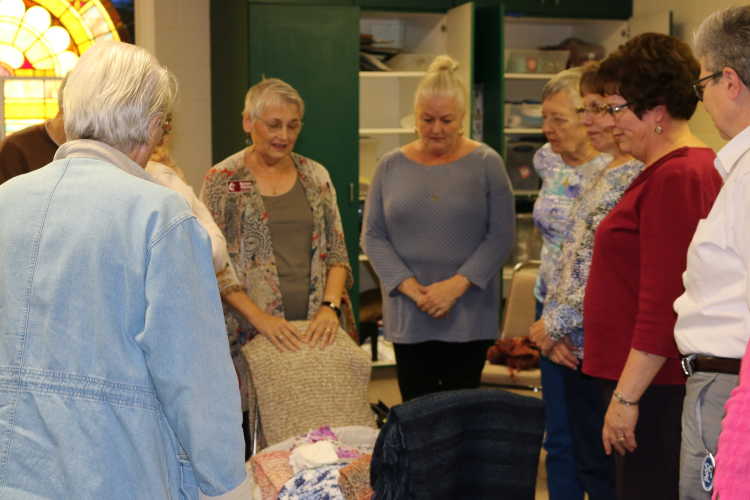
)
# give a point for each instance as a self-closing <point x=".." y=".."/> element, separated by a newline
<point x="438" y="298"/>
<point x="559" y="351"/>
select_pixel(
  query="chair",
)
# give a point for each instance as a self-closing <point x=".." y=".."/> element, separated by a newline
<point x="474" y="443"/>
<point x="517" y="318"/>
<point x="295" y="391"/>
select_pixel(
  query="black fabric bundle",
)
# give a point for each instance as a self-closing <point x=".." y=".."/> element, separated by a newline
<point x="481" y="443"/>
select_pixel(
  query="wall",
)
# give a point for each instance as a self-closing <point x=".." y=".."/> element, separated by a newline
<point x="688" y="14"/>
<point x="178" y="33"/>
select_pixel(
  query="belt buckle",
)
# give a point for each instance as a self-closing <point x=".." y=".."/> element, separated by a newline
<point x="687" y="364"/>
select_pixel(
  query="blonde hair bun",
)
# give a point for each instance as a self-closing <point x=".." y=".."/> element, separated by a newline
<point x="443" y="63"/>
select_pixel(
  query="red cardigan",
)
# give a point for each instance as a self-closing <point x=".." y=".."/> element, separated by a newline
<point x="640" y="253"/>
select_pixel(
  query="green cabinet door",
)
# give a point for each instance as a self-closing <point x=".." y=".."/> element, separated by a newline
<point x="316" y="50"/>
<point x="229" y="76"/>
<point x="406" y="5"/>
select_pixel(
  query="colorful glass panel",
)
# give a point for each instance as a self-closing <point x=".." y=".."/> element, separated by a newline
<point x="40" y="41"/>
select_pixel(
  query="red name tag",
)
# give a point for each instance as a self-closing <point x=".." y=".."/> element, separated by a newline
<point x="239" y="186"/>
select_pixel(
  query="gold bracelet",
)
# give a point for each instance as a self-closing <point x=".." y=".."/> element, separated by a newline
<point x="621" y="399"/>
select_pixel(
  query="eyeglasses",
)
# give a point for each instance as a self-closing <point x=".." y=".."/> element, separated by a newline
<point x="276" y="126"/>
<point x="699" y="86"/>
<point x="592" y="109"/>
<point x="614" y="110"/>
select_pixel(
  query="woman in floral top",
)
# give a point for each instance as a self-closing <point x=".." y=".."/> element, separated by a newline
<point x="563" y="307"/>
<point x="564" y="164"/>
<point x="278" y="212"/>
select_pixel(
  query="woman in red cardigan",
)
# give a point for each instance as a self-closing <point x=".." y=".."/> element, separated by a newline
<point x="639" y="256"/>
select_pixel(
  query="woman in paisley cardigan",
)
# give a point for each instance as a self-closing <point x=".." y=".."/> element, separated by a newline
<point x="278" y="212"/>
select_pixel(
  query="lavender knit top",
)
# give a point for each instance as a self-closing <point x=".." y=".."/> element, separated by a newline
<point x="432" y="222"/>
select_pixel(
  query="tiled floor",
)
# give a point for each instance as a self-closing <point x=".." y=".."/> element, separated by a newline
<point x="383" y="387"/>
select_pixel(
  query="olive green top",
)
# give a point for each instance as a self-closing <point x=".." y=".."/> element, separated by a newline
<point x="291" y="224"/>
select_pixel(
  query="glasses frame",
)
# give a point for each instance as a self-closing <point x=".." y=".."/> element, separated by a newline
<point x="699" y="87"/>
<point x="277" y="128"/>
<point x="613" y="110"/>
<point x="600" y="110"/>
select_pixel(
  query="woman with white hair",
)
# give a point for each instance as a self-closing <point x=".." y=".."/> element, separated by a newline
<point x="116" y="379"/>
<point x="438" y="226"/>
<point x="278" y="212"/>
<point x="566" y="164"/>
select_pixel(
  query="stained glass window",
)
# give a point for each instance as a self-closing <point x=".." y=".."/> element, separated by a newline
<point x="40" y="41"/>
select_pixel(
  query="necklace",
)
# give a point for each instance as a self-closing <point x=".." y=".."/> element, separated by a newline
<point x="437" y="184"/>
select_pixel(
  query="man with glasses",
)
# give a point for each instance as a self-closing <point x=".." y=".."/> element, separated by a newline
<point x="713" y="325"/>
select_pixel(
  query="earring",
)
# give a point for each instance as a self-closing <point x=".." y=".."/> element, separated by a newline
<point x="658" y="130"/>
<point x="248" y="140"/>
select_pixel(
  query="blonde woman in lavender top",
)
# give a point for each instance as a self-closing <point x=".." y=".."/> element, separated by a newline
<point x="438" y="226"/>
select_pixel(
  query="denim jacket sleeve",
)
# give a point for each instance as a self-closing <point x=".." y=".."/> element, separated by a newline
<point x="185" y="345"/>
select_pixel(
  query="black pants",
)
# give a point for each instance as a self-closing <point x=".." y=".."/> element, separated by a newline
<point x="434" y="366"/>
<point x="652" y="471"/>
<point x="595" y="470"/>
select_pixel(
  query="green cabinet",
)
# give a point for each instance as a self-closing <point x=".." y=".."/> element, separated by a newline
<point x="571" y="9"/>
<point x="406" y="5"/>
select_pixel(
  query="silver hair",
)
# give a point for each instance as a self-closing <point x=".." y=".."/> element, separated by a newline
<point x="441" y="80"/>
<point x="114" y="93"/>
<point x="723" y="40"/>
<point x="569" y="81"/>
<point x="270" y="91"/>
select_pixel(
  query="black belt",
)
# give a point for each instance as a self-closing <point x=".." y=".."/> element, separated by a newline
<point x="695" y="363"/>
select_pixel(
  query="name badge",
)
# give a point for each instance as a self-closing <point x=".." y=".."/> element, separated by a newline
<point x="707" y="472"/>
<point x="239" y="186"/>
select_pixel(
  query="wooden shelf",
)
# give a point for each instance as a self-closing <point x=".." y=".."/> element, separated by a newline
<point x="523" y="131"/>
<point x="528" y="76"/>
<point x="385" y="131"/>
<point x="392" y="74"/>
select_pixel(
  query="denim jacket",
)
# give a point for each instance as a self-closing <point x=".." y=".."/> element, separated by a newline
<point x="115" y="375"/>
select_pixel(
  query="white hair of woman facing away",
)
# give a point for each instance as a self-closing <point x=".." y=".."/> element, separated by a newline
<point x="115" y="375"/>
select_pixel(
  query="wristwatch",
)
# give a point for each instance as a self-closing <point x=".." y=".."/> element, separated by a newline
<point x="331" y="305"/>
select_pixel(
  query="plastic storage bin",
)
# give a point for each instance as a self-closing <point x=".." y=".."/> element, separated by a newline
<point x="525" y="114"/>
<point x="535" y="61"/>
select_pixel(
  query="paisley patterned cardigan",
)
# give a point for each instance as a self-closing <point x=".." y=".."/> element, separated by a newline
<point x="230" y="192"/>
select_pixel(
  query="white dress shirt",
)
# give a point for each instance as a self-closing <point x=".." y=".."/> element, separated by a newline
<point x="713" y="315"/>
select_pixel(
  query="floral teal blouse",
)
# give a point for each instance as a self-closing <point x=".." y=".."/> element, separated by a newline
<point x="561" y="185"/>
<point x="563" y="307"/>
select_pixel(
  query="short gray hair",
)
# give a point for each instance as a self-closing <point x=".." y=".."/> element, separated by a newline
<point x="271" y="91"/>
<point x="723" y="40"/>
<point x="569" y="81"/>
<point x="113" y="94"/>
<point x="441" y="80"/>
